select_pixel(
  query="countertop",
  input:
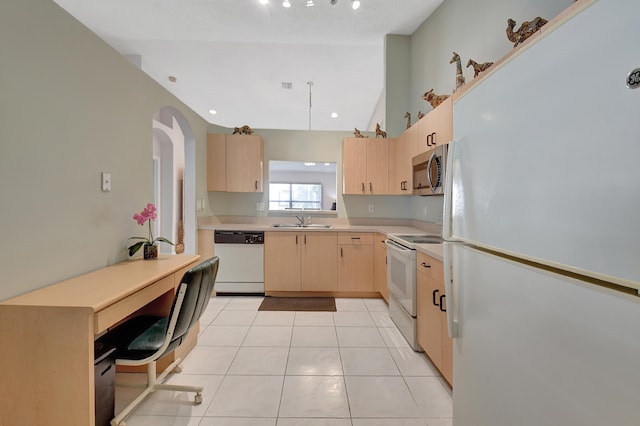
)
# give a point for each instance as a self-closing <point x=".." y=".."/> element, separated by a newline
<point x="433" y="250"/>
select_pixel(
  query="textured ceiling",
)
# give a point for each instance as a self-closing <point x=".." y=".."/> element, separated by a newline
<point x="234" y="55"/>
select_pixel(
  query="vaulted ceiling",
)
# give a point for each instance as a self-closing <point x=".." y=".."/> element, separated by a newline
<point x="237" y="56"/>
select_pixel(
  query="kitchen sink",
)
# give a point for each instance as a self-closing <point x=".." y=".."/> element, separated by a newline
<point x="298" y="225"/>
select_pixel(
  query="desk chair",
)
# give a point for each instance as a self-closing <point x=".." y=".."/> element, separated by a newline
<point x="143" y="340"/>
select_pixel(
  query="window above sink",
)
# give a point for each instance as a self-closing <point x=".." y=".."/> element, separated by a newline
<point x="296" y="186"/>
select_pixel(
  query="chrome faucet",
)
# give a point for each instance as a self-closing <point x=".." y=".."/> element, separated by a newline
<point x="303" y="220"/>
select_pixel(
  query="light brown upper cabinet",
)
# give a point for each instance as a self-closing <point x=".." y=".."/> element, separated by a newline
<point x="235" y="163"/>
<point x="403" y="149"/>
<point x="436" y="128"/>
<point x="365" y="166"/>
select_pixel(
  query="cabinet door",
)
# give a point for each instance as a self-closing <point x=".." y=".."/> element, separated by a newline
<point x="282" y="252"/>
<point x="355" y="262"/>
<point x="319" y="265"/>
<point x="377" y="166"/>
<point x="244" y="163"/>
<point x="436" y="128"/>
<point x="380" y="266"/>
<point x="404" y="149"/>
<point x="442" y="122"/>
<point x="216" y="162"/>
<point x="429" y="329"/>
<point x="354" y="165"/>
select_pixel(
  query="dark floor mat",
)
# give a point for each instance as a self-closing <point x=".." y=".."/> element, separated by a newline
<point x="314" y="304"/>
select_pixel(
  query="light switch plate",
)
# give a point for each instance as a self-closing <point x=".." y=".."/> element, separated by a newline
<point x="106" y="181"/>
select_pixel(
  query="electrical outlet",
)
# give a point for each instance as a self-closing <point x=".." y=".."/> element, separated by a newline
<point x="371" y="209"/>
<point x="260" y="207"/>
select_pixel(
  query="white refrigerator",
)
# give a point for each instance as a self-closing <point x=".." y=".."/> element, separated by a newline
<point x="542" y="230"/>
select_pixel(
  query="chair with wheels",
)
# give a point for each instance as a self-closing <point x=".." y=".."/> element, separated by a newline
<point x="143" y="340"/>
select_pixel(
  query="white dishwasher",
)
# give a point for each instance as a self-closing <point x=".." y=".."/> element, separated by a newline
<point x="241" y="269"/>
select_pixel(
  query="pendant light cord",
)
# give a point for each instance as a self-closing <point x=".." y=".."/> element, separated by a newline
<point x="310" y="83"/>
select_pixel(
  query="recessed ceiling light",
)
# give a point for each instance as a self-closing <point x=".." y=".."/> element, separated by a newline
<point x="213" y="112"/>
<point x="310" y="3"/>
<point x="334" y="115"/>
<point x="172" y="79"/>
<point x="309" y="164"/>
<point x="286" y="3"/>
<point x="264" y="1"/>
<point x="355" y="4"/>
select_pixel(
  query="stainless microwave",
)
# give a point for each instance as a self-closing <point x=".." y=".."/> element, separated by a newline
<point x="428" y="171"/>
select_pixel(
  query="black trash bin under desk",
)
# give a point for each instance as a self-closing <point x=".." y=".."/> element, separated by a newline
<point x="105" y="382"/>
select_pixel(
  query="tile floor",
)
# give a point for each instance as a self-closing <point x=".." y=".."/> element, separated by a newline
<point x="346" y="368"/>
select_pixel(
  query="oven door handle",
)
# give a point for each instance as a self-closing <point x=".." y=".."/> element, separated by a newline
<point x="392" y="244"/>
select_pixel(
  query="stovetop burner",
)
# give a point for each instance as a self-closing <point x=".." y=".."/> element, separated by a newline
<point x="420" y="239"/>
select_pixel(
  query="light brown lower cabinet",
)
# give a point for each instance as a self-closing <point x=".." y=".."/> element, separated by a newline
<point x="355" y="262"/>
<point x="433" y="336"/>
<point x="300" y="261"/>
<point x="380" y="265"/>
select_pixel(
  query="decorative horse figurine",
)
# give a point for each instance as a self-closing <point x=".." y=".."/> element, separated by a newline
<point x="380" y="132"/>
<point x="459" y="75"/>
<point x="357" y="133"/>
<point x="244" y="130"/>
<point x="526" y="30"/>
<point x="478" y="68"/>
<point x="434" y="99"/>
<point x="408" y="117"/>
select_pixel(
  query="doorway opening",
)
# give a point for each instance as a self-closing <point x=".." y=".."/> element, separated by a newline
<point x="174" y="180"/>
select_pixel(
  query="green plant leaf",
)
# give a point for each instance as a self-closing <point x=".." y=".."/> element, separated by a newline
<point x="162" y="239"/>
<point x="134" y="248"/>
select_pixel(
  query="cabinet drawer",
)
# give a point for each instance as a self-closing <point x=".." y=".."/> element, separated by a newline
<point x="364" y="238"/>
<point x="431" y="267"/>
<point x="112" y="314"/>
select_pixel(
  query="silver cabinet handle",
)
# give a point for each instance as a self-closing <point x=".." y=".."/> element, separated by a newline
<point x="425" y="265"/>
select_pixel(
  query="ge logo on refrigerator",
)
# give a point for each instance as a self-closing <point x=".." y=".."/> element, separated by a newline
<point x="633" y="79"/>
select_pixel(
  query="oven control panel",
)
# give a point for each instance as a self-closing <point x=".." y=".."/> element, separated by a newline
<point x="238" y="237"/>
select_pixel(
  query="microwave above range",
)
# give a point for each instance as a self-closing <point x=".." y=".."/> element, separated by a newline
<point x="429" y="171"/>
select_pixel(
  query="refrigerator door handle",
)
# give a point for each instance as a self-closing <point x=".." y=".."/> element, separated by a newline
<point x="451" y="293"/>
<point x="448" y="195"/>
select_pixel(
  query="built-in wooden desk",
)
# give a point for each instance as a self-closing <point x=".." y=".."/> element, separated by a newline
<point x="47" y="336"/>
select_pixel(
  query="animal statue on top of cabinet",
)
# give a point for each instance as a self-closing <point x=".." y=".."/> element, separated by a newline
<point x="526" y="30"/>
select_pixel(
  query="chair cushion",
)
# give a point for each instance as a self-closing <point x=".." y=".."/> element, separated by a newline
<point x="125" y="334"/>
<point x="152" y="338"/>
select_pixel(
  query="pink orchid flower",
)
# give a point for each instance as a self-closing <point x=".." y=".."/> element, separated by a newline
<point x="148" y="213"/>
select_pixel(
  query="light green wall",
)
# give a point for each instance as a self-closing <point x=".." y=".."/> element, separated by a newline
<point x="397" y="77"/>
<point x="70" y="108"/>
<point x="475" y="30"/>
